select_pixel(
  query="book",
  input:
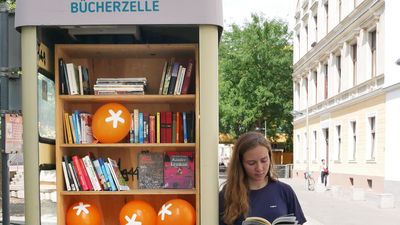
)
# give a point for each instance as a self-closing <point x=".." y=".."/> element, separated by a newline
<point x="73" y="78"/>
<point x="163" y="78"/>
<point x="66" y="178"/>
<point x="179" y="170"/>
<point x="117" y="176"/>
<point x="188" y="77"/>
<point x="151" y="170"/>
<point x="283" y="220"/>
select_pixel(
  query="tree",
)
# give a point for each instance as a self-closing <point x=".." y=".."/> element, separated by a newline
<point x="255" y="78"/>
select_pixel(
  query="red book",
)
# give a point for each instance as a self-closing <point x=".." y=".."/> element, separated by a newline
<point x="152" y="129"/>
<point x="79" y="173"/>
<point x="168" y="127"/>
<point x="163" y="127"/>
<point x="187" y="78"/>
<point x="179" y="170"/>
<point x="178" y="128"/>
<point x="86" y="175"/>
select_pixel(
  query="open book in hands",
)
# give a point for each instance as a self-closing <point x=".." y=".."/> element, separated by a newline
<point x="283" y="220"/>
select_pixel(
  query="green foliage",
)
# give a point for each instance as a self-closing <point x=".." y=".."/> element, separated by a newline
<point x="255" y="78"/>
<point x="11" y="4"/>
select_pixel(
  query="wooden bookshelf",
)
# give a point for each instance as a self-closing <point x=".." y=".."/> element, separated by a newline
<point x="123" y="60"/>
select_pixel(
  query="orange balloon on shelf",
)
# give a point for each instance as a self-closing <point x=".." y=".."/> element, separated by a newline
<point x="111" y="123"/>
<point x="137" y="212"/>
<point x="176" y="211"/>
<point x="81" y="213"/>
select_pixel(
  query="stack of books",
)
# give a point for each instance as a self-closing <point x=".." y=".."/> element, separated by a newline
<point x="120" y="86"/>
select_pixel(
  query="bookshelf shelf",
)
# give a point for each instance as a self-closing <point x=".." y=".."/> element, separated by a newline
<point x="133" y="192"/>
<point x="129" y="145"/>
<point x="150" y="99"/>
<point x="127" y="61"/>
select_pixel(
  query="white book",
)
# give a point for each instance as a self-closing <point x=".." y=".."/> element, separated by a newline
<point x="91" y="172"/>
<point x="160" y="91"/>
<point x="181" y="81"/>
<point x="64" y="168"/>
<point x="72" y="72"/>
<point x="74" y="178"/>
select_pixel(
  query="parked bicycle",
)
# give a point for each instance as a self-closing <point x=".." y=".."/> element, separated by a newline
<point x="309" y="181"/>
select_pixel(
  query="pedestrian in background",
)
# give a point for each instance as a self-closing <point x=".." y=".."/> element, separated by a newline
<point x="251" y="188"/>
<point x="324" y="172"/>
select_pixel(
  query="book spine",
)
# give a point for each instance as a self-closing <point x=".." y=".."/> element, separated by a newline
<point x="185" y="133"/>
<point x="152" y="129"/>
<point x="110" y="178"/>
<point x="141" y="128"/>
<point x="168" y="127"/>
<point x="160" y="91"/>
<point x="100" y="174"/>
<point x="66" y="178"/>
<point x="146" y="127"/>
<point x="72" y="170"/>
<point x="158" y="127"/>
<point x="91" y="173"/>
<point x="69" y="174"/>
<point x="80" y="173"/>
<point x="187" y="78"/>
<point x="136" y="122"/>
<point x="174" y="77"/>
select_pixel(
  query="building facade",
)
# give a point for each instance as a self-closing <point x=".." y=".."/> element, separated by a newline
<point x="346" y="82"/>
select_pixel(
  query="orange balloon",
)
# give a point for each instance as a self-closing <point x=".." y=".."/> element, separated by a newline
<point x="81" y="213"/>
<point x="111" y="123"/>
<point x="176" y="211"/>
<point x="137" y="211"/>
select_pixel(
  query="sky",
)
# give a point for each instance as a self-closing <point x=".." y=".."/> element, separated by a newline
<point x="238" y="11"/>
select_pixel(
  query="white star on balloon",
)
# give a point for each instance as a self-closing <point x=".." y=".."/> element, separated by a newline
<point x="115" y="118"/>
<point x="81" y="208"/>
<point x="164" y="210"/>
<point x="132" y="221"/>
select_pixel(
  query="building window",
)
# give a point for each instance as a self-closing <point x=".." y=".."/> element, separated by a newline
<point x="298" y="148"/>
<point x="298" y="95"/>
<point x="354" y="62"/>
<point x="315" y="145"/>
<point x="372" y="138"/>
<point x="338" y="142"/>
<point x="340" y="9"/>
<point x="299" y="46"/>
<point x="372" y="42"/>
<point x="306" y="86"/>
<point x="305" y="148"/>
<point x="306" y="30"/>
<point x="326" y="81"/>
<point x="353" y="147"/>
<point x="316" y="27"/>
<point x="315" y="78"/>
<point x="339" y="71"/>
<point x="326" y="7"/>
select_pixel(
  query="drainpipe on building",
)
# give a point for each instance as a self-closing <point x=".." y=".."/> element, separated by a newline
<point x="4" y="71"/>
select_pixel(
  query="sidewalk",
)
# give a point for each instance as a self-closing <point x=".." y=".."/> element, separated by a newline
<point x="324" y="208"/>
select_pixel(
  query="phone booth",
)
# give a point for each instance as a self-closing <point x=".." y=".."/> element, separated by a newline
<point x="172" y="47"/>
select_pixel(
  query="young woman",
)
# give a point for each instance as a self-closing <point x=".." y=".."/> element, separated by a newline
<point x="324" y="172"/>
<point x="251" y="189"/>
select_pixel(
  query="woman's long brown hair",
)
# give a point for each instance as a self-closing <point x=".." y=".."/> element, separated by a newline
<point x="236" y="189"/>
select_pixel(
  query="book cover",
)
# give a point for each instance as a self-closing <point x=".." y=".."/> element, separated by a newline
<point x="158" y="127"/>
<point x="100" y="174"/>
<point x="72" y="170"/>
<point x="61" y="75"/>
<point x="68" y="173"/>
<point x="151" y="169"/>
<point x="116" y="173"/>
<point x="66" y="178"/>
<point x="179" y="170"/>
<point x="91" y="173"/>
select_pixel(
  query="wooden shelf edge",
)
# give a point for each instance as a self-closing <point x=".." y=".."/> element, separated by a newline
<point x="151" y="99"/>
<point x="133" y="192"/>
<point x="130" y="145"/>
